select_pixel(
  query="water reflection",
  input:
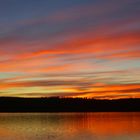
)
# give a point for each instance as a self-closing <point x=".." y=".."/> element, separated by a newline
<point x="70" y="126"/>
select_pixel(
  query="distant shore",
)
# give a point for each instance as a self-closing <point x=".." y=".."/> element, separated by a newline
<point x="56" y="104"/>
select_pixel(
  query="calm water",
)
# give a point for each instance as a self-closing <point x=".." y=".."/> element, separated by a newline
<point x="70" y="126"/>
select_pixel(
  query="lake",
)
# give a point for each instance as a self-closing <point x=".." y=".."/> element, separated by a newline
<point x="70" y="126"/>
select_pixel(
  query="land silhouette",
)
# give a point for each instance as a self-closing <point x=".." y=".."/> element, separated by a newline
<point x="56" y="104"/>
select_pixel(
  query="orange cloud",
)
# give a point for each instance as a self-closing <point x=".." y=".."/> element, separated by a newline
<point x="77" y="88"/>
<point x="91" y="45"/>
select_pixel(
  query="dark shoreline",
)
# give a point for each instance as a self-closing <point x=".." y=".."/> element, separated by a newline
<point x="56" y="104"/>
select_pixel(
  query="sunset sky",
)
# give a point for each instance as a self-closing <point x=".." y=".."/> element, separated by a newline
<point x="70" y="48"/>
